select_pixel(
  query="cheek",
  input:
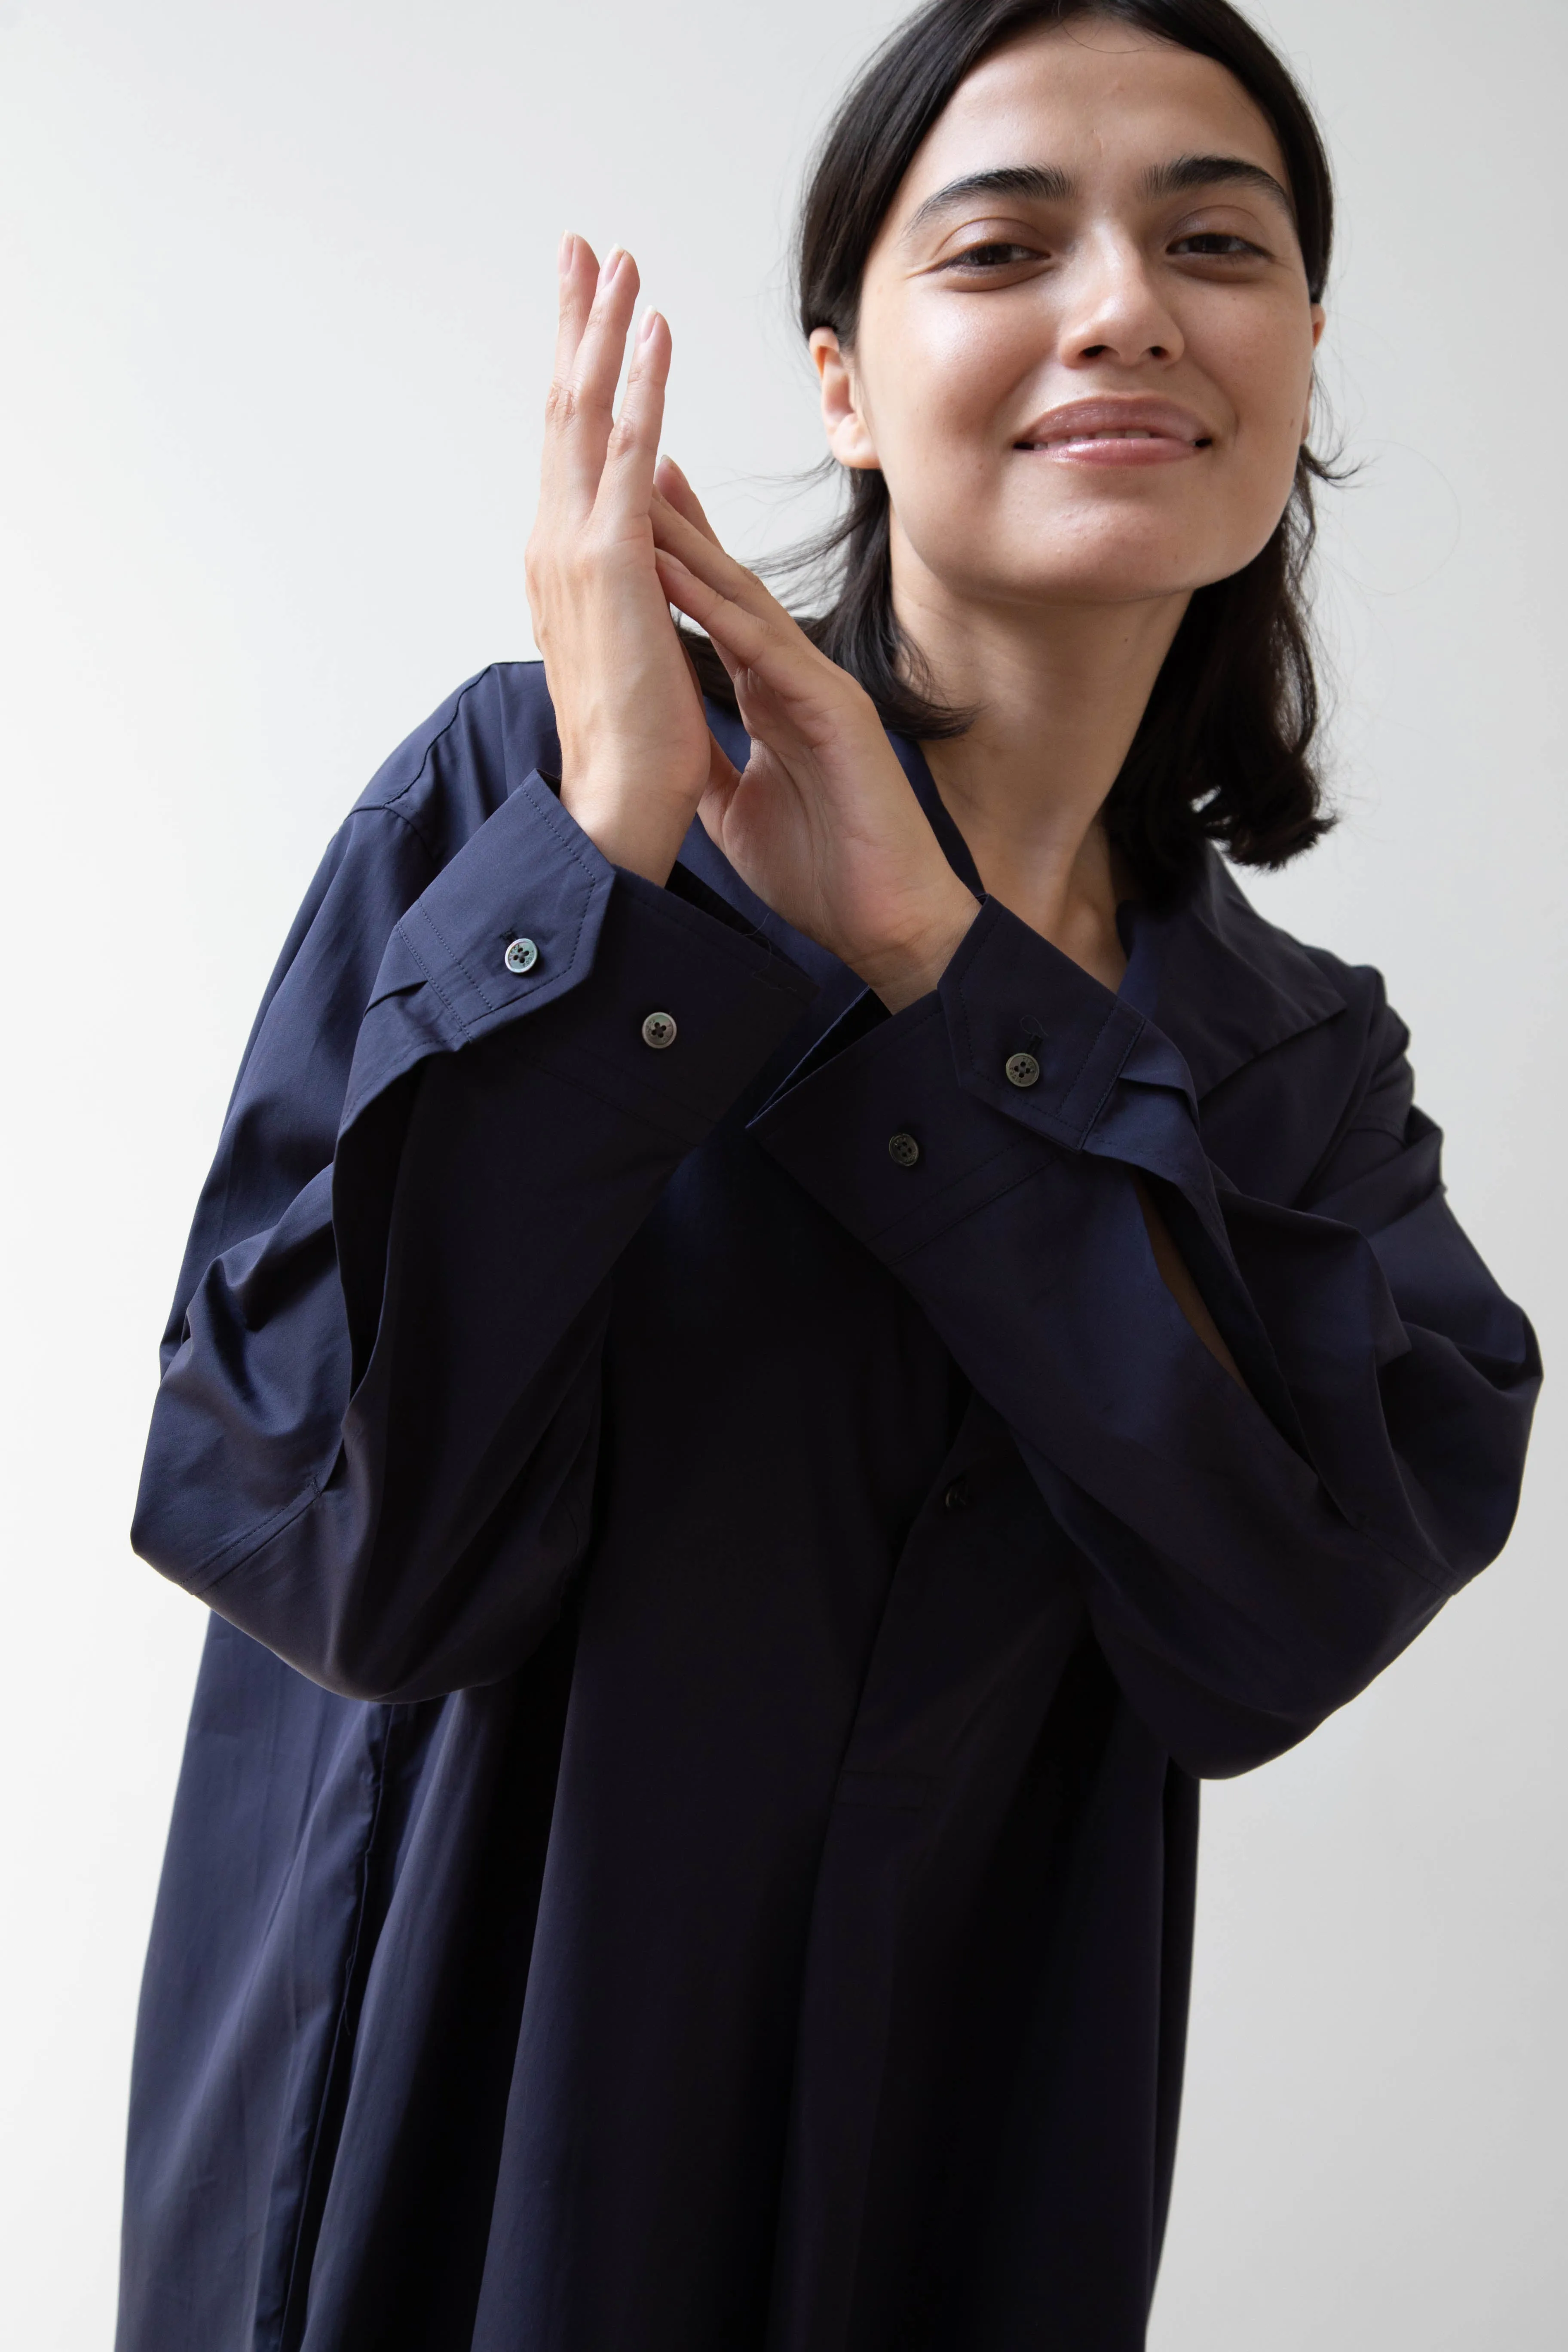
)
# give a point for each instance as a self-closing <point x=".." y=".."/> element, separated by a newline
<point x="939" y="377"/>
<point x="1264" y="368"/>
<point x="1261" y="366"/>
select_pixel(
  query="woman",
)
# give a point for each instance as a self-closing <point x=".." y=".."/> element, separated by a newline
<point x="798" y="1324"/>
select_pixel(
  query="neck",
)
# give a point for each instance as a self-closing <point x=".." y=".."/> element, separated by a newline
<point x="1059" y="690"/>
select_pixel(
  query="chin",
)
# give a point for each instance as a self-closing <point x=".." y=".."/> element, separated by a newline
<point x="1109" y="576"/>
<point x="1113" y="561"/>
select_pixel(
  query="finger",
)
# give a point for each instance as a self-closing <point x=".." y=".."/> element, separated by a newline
<point x="678" y="492"/>
<point x="579" y="269"/>
<point x="626" y="485"/>
<point x="685" y="645"/>
<point x="744" y="639"/>
<point x="696" y="685"/>
<point x="701" y="554"/>
<point x="730" y="663"/>
<point x="581" y="409"/>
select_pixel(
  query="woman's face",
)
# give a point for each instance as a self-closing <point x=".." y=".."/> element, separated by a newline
<point x="1084" y="356"/>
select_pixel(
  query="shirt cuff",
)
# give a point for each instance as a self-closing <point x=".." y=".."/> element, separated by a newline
<point x="1017" y="1008"/>
<point x="915" y="1122"/>
<point x="511" y="920"/>
<point x="680" y="1012"/>
<point x="531" y="929"/>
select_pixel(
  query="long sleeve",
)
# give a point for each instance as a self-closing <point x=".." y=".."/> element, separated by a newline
<point x="373" y="1445"/>
<point x="1251" y="1557"/>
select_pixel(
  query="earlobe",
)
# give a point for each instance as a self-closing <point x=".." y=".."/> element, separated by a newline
<point x="849" y="437"/>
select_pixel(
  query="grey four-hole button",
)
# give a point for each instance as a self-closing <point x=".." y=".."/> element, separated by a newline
<point x="658" y="1031"/>
<point x="521" y="956"/>
<point x="903" y="1148"/>
<point x="1021" y="1069"/>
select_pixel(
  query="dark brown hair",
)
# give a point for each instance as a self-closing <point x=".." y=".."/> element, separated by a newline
<point x="1224" y="749"/>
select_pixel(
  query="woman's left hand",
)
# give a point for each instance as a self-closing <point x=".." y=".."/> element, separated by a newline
<point x="821" y="823"/>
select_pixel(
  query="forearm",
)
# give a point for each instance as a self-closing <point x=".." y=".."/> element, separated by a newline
<point x="1267" y="1520"/>
<point x="359" y="1387"/>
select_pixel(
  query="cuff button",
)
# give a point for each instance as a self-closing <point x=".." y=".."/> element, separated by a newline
<point x="521" y="956"/>
<point x="1021" y="1069"/>
<point x="903" y="1148"/>
<point x="658" y="1031"/>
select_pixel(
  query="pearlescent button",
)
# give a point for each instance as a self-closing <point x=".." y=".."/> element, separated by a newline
<point x="1022" y="1069"/>
<point x="521" y="956"/>
<point x="903" y="1148"/>
<point x="658" y="1031"/>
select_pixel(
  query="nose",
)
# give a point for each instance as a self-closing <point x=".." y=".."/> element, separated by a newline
<point x="1115" y="309"/>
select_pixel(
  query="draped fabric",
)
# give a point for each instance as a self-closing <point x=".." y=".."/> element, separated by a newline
<point x="688" y="1832"/>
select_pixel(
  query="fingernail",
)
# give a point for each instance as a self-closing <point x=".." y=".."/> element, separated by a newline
<point x="646" y="324"/>
<point x="563" y="258"/>
<point x="613" y="260"/>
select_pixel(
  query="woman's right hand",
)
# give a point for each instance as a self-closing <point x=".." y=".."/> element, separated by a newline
<point x="634" y="746"/>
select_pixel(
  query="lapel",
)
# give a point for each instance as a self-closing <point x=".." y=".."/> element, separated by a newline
<point x="1206" y="970"/>
<point x="1221" y="983"/>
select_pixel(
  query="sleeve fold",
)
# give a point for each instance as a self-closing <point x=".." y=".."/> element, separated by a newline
<point x="374" y="1442"/>
<point x="1251" y="1558"/>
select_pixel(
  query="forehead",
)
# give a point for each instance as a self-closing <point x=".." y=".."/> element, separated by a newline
<point x="1090" y="96"/>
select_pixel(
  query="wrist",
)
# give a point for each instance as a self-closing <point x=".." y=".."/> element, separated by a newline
<point x="899" y="972"/>
<point x="631" y="829"/>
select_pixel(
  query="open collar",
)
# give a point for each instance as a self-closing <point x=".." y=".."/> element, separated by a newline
<point x="1205" y="968"/>
<point x="1211" y="975"/>
<point x="1221" y="983"/>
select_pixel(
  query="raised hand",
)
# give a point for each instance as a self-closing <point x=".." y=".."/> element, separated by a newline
<point x="822" y="822"/>
<point x="635" y="751"/>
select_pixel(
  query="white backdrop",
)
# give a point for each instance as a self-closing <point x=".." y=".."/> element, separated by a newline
<point x="276" y="318"/>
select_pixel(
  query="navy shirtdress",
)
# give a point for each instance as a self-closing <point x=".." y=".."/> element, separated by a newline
<point x="687" y="1839"/>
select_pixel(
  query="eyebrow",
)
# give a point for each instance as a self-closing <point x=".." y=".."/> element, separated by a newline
<point x="1189" y="171"/>
<point x="1047" y="184"/>
<point x="1044" y="182"/>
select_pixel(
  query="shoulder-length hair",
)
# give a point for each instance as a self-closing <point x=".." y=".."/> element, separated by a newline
<point x="1224" y="752"/>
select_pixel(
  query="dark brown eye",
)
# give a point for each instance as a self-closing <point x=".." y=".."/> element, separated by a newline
<point x="1216" y="244"/>
<point x="992" y="255"/>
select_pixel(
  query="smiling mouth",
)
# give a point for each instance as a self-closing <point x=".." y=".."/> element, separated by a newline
<point x="1111" y="433"/>
<point x="1116" y="445"/>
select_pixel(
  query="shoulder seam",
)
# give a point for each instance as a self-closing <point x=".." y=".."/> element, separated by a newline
<point x="390" y="805"/>
<point x="386" y="808"/>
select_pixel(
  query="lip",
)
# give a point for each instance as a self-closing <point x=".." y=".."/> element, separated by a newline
<point x="1130" y="430"/>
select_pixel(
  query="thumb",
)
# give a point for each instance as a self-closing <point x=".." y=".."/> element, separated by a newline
<point x="722" y="773"/>
<point x="723" y="776"/>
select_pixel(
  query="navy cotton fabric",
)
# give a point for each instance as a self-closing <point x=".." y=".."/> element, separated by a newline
<point x="688" y="1833"/>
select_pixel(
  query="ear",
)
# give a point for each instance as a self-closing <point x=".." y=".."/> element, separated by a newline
<point x="848" y="435"/>
<point x="1318" y="324"/>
